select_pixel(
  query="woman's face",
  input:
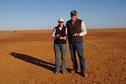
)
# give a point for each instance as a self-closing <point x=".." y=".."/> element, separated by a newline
<point x="61" y="23"/>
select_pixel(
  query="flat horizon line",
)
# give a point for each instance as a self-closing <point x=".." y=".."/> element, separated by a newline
<point x="51" y="29"/>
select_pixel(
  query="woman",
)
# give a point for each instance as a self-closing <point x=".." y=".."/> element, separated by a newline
<point x="60" y="36"/>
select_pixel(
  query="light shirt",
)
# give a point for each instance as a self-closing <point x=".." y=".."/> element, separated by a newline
<point x="83" y="29"/>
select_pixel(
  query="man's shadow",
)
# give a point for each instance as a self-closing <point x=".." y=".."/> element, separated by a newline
<point x="35" y="61"/>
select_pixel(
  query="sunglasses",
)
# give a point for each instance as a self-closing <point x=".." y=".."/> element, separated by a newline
<point x="61" y="22"/>
<point x="73" y="14"/>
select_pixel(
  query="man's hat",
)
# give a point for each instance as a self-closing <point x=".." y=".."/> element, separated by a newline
<point x="73" y="12"/>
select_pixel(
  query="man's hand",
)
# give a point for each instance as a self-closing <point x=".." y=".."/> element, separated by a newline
<point x="61" y="38"/>
<point x="76" y="34"/>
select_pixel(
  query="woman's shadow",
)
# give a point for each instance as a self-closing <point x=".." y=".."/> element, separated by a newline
<point x="34" y="60"/>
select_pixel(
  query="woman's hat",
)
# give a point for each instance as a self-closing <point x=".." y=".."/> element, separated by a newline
<point x="61" y="20"/>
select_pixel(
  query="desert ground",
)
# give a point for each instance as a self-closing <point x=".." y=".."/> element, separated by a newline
<point x="27" y="57"/>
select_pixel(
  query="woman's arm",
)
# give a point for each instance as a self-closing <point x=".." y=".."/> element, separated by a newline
<point x="53" y="34"/>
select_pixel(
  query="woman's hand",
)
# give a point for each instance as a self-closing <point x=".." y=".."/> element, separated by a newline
<point x="61" y="38"/>
<point x="57" y="36"/>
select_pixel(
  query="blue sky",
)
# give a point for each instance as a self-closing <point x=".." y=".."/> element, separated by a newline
<point x="43" y="14"/>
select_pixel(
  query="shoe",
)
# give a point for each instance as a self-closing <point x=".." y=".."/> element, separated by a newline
<point x="56" y="72"/>
<point x="73" y="71"/>
<point x="63" y="72"/>
<point x="84" y="74"/>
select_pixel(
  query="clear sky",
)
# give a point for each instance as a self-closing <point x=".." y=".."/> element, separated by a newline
<point x="43" y="14"/>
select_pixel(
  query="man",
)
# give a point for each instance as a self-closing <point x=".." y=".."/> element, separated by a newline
<point x="76" y="31"/>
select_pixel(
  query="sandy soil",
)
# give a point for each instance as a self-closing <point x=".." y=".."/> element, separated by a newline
<point x="27" y="57"/>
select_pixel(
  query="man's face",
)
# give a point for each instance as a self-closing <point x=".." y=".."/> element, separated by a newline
<point x="73" y="17"/>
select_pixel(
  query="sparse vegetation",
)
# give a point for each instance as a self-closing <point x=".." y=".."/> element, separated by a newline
<point x="15" y="31"/>
<point x="90" y="44"/>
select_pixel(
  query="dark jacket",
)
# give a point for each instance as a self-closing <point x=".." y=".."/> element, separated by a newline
<point x="61" y="33"/>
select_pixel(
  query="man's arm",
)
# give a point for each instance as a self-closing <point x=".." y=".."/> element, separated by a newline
<point x="83" y="29"/>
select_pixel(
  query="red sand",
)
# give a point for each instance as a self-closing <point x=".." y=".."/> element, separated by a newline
<point x="32" y="60"/>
